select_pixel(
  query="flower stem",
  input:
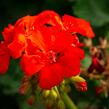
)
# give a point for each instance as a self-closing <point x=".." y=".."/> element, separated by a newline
<point x="68" y="102"/>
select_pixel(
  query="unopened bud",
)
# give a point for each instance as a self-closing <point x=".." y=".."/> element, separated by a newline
<point x="77" y="79"/>
<point x="53" y="94"/>
<point x="46" y="93"/>
<point x="31" y="100"/>
<point x="81" y="86"/>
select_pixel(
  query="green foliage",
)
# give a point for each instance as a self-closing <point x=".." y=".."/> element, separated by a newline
<point x="95" y="11"/>
<point x="11" y="80"/>
<point x="86" y="61"/>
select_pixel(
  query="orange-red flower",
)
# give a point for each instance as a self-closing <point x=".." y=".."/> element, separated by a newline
<point x="48" y="46"/>
<point x="4" y="51"/>
<point x="57" y="59"/>
<point x="8" y="33"/>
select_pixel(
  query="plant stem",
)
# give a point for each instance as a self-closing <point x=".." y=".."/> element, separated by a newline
<point x="68" y="102"/>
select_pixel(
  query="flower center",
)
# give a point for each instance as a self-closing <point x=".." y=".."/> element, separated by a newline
<point x="52" y="56"/>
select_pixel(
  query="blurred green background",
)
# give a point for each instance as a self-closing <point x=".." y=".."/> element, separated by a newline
<point x="95" y="11"/>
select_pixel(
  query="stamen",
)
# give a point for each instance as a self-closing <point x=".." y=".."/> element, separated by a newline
<point x="52" y="56"/>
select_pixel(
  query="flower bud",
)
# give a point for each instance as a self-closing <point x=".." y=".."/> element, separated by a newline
<point x="53" y="94"/>
<point x="81" y="86"/>
<point x="79" y="83"/>
<point x="46" y="93"/>
<point x="77" y="79"/>
<point x="31" y="100"/>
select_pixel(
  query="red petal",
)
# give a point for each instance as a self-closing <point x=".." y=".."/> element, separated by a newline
<point x="76" y="41"/>
<point x="8" y="33"/>
<point x="62" y="41"/>
<point x="45" y="37"/>
<point x="81" y="26"/>
<point x="4" y="58"/>
<point x="25" y="24"/>
<point x="49" y="17"/>
<point x="71" y="61"/>
<point x="16" y="48"/>
<point x="55" y="40"/>
<point x="32" y="48"/>
<point x="51" y="76"/>
<point x="37" y="38"/>
<point x="71" y="66"/>
<point x="31" y="64"/>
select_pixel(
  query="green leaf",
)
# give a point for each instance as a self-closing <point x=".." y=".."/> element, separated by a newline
<point x="86" y="62"/>
<point x="11" y="80"/>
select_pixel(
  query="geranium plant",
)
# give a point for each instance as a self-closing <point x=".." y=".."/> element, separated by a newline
<point x="49" y="54"/>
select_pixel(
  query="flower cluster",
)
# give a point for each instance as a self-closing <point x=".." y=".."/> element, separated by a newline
<point x="47" y="45"/>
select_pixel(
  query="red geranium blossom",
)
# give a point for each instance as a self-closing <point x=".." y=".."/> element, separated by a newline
<point x="8" y="34"/>
<point x="47" y="46"/>
<point x="52" y="64"/>
<point x="4" y="51"/>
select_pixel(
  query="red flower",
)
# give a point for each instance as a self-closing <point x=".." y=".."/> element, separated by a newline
<point x="47" y="46"/>
<point x="4" y="52"/>
<point x="54" y="61"/>
<point x="4" y="58"/>
<point x="28" y="28"/>
<point x="77" y="25"/>
<point x="8" y="33"/>
<point x="22" y="31"/>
